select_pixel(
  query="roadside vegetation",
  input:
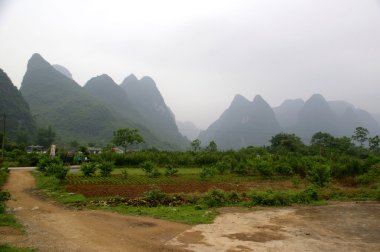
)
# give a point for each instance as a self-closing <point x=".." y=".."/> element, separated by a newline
<point x="188" y="186"/>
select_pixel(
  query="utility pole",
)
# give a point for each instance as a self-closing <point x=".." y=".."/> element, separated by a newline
<point x="3" y="143"/>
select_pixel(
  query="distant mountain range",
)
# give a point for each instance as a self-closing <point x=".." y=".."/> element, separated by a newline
<point x="247" y="123"/>
<point x="91" y="113"/>
<point x="244" y="123"/>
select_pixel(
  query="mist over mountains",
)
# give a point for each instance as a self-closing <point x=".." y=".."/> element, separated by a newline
<point x="247" y="123"/>
<point x="92" y="112"/>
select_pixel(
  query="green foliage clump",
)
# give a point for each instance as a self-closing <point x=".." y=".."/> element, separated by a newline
<point x="124" y="173"/>
<point x="46" y="161"/>
<point x="154" y="196"/>
<point x="271" y="198"/>
<point x="222" y="167"/>
<point x="53" y="167"/>
<point x="105" y="167"/>
<point x="215" y="198"/>
<point x="170" y="171"/>
<point x="207" y="172"/>
<point x="319" y="174"/>
<point x="150" y="169"/>
<point x="88" y="169"/>
<point x="369" y="177"/>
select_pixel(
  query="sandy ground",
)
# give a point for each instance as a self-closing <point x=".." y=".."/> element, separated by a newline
<point x="50" y="227"/>
<point x="340" y="227"/>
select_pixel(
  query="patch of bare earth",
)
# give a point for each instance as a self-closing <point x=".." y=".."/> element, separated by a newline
<point x="339" y="227"/>
<point x="50" y="227"/>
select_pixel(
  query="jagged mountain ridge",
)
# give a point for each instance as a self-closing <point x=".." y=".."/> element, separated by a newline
<point x="304" y="119"/>
<point x="156" y="115"/>
<point x="244" y="123"/>
<point x="19" y="119"/>
<point x="90" y="113"/>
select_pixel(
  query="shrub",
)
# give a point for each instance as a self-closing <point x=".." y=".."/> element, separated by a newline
<point x="105" y="167"/>
<point x="222" y="167"/>
<point x="319" y="174"/>
<point x="57" y="170"/>
<point x="306" y="196"/>
<point x="170" y="171"/>
<point x="46" y="161"/>
<point x="150" y="169"/>
<point x="215" y="198"/>
<point x="369" y="177"/>
<point x="270" y="198"/>
<point x="207" y="172"/>
<point x="88" y="169"/>
<point x="264" y="168"/>
<point x="241" y="169"/>
<point x="124" y="173"/>
<point x="154" y="196"/>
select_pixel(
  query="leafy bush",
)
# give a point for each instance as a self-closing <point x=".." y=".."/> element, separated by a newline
<point x="88" y="169"/>
<point x="154" y="196"/>
<point x="264" y="168"/>
<point x="270" y="198"/>
<point x="105" y="167"/>
<point x="369" y="177"/>
<point x="46" y="161"/>
<point x="319" y="174"/>
<point x="215" y="198"/>
<point x="207" y="172"/>
<point x="170" y="171"/>
<point x="241" y="169"/>
<point x="57" y="170"/>
<point x="150" y="169"/>
<point x="124" y="173"/>
<point x="222" y="167"/>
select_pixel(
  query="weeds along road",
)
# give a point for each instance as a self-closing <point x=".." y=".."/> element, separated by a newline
<point x="50" y="227"/>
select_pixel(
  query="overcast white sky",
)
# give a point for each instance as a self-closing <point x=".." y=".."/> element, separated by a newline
<point x="202" y="52"/>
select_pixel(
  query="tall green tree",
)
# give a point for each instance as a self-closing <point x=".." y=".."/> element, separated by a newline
<point x="360" y="135"/>
<point x="322" y="139"/>
<point x="45" y="137"/>
<point x="126" y="137"/>
<point x="374" y="143"/>
<point x="196" y="145"/>
<point x="212" y="147"/>
<point x="288" y="142"/>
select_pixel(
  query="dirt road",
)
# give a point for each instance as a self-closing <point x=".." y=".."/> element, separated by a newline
<point x="50" y="227"/>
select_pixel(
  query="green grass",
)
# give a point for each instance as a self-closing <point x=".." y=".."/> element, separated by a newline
<point x="51" y="187"/>
<point x="8" y="220"/>
<point x="7" y="248"/>
<point x="188" y="214"/>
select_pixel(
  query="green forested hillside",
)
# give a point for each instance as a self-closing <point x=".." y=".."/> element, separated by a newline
<point x="156" y="115"/>
<point x="20" y="126"/>
<point x="77" y="113"/>
<point x="60" y="102"/>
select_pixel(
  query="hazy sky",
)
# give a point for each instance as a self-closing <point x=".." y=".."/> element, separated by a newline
<point x="202" y="52"/>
